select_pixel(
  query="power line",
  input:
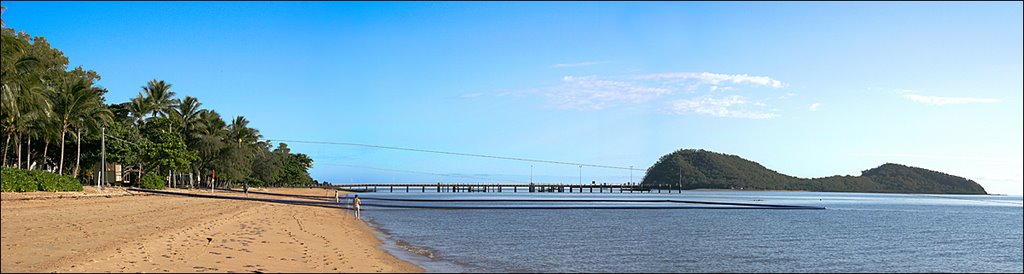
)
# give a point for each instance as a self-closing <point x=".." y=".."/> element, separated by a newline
<point x="424" y="172"/>
<point x="454" y="153"/>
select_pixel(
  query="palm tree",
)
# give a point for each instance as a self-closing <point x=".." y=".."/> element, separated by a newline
<point x="31" y="123"/>
<point x="21" y="97"/>
<point x="211" y="138"/>
<point x="42" y="130"/>
<point x="159" y="97"/>
<point x="241" y="133"/>
<point x="91" y="116"/>
<point x="27" y="105"/>
<point x="187" y="114"/>
<point x="211" y="123"/>
<point x="138" y="108"/>
<point x="72" y="103"/>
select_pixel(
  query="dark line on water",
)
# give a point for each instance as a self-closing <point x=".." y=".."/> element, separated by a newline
<point x="590" y="207"/>
<point x="733" y="205"/>
<point x="965" y="199"/>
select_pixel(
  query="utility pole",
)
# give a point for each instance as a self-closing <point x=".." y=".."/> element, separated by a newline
<point x="103" y="158"/>
<point x="581" y="174"/>
<point x="531" y="174"/>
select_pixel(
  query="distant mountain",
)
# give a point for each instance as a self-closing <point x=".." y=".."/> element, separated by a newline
<point x="707" y="169"/>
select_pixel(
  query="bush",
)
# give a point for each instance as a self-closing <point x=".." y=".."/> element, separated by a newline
<point x="52" y="182"/>
<point x="152" y="181"/>
<point x="20" y="180"/>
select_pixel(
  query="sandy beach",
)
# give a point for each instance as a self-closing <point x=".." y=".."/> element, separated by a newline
<point x="117" y="231"/>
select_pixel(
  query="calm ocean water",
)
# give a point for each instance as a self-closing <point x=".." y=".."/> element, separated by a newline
<point x="856" y="233"/>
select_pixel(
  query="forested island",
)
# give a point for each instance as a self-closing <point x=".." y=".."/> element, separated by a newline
<point x="692" y="169"/>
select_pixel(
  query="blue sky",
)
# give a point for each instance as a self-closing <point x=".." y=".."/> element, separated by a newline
<point x="806" y="89"/>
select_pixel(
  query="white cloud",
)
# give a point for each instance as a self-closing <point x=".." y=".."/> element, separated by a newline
<point x="730" y="106"/>
<point x="592" y="93"/>
<point x="941" y="101"/>
<point x="471" y="95"/>
<point x="814" y="107"/>
<point x="691" y="91"/>
<point x="580" y="64"/>
<point x="716" y="79"/>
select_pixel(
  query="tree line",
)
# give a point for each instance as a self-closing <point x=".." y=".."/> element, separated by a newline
<point x="52" y="118"/>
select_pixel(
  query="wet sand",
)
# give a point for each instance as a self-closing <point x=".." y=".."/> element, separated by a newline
<point x="157" y="233"/>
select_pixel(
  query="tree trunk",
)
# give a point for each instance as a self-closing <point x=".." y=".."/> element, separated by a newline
<point x="60" y="166"/>
<point x="78" y="158"/>
<point x="140" y="175"/>
<point x="7" y="145"/>
<point x="46" y="147"/>
<point x="17" y="144"/>
<point x="28" y="154"/>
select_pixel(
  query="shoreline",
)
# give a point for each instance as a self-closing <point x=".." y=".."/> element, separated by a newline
<point x="746" y="190"/>
<point x="422" y="256"/>
<point x="159" y="233"/>
<point x="784" y="190"/>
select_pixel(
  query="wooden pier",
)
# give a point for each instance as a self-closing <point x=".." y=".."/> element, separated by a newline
<point x="560" y="188"/>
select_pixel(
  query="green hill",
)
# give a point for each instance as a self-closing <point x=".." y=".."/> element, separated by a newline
<point x="706" y="169"/>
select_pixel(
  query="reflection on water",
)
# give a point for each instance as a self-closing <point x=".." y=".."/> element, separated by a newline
<point x="858" y="233"/>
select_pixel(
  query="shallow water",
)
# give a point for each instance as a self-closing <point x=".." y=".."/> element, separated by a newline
<point x="856" y="233"/>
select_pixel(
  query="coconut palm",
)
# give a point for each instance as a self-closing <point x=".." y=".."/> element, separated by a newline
<point x="73" y="103"/>
<point x="90" y="117"/>
<point x="159" y="97"/>
<point x="21" y="96"/>
<point x="40" y="130"/>
<point x="186" y="113"/>
<point x="138" y="108"/>
<point x="30" y="124"/>
<point x="241" y="133"/>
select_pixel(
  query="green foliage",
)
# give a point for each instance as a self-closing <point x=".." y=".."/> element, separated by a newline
<point x="153" y="181"/>
<point x="19" y="180"/>
<point x="164" y="148"/>
<point x="16" y="180"/>
<point x="705" y="169"/>
<point x="123" y="143"/>
<point x="281" y="168"/>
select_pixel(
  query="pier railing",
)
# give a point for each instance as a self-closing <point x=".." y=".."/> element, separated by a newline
<point x="561" y="188"/>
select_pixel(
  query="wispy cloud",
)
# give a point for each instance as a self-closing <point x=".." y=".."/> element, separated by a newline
<point x="471" y="95"/>
<point x="942" y="101"/>
<point x="589" y="92"/>
<point x="731" y="106"/>
<point x="580" y="64"/>
<point x="715" y="79"/>
<point x="696" y="93"/>
<point x="814" y="107"/>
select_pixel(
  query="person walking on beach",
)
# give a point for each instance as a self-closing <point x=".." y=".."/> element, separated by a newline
<point x="355" y="203"/>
